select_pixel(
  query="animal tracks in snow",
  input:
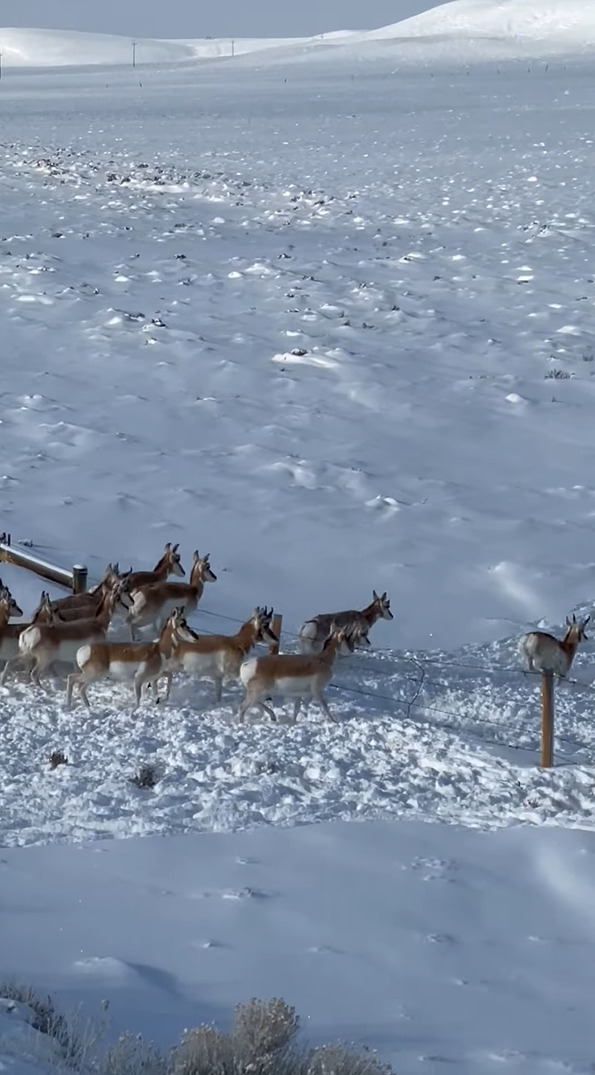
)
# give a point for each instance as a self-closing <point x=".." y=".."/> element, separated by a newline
<point x="346" y="347"/>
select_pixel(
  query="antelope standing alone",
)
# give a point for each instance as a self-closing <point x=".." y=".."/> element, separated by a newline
<point x="129" y="662"/>
<point x="169" y="564"/>
<point x="544" y="653"/>
<point x="46" y="643"/>
<point x="293" y="675"/>
<point x="220" y="657"/>
<point x="314" y="632"/>
<point x="153" y="604"/>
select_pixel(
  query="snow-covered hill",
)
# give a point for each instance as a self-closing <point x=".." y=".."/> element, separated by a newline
<point x="457" y="32"/>
<point x="475" y="31"/>
<point x="563" y="23"/>
<point x="60" y="48"/>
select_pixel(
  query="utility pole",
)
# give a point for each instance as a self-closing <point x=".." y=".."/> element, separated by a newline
<point x="134" y="53"/>
<point x="233" y="48"/>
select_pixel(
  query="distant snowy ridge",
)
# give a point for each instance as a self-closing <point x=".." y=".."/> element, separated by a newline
<point x="565" y="22"/>
<point x="457" y="31"/>
<point x="65" y="48"/>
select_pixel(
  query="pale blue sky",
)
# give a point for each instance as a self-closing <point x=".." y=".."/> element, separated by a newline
<point x="218" y="18"/>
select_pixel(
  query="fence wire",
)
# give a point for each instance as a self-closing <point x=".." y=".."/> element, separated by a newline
<point x="423" y="673"/>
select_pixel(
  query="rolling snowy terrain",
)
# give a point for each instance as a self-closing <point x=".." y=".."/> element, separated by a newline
<point x="333" y="323"/>
<point x="462" y="31"/>
<point x="448" y="950"/>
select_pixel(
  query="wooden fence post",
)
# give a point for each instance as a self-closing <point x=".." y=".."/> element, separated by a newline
<point x="547" y="720"/>
<point x="79" y="578"/>
<point x="276" y="625"/>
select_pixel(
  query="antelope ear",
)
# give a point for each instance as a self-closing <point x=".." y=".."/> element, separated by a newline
<point x="167" y="547"/>
<point x="374" y="595"/>
<point x="385" y="596"/>
<point x="176" y="547"/>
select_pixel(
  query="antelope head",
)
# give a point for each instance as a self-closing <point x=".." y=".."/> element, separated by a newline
<point x="261" y="618"/>
<point x="13" y="608"/>
<point x="174" y="564"/>
<point x="575" y="630"/>
<point x="382" y="604"/>
<point x="201" y="568"/>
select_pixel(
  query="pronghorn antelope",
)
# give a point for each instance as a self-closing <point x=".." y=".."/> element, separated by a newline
<point x="13" y="608"/>
<point x="219" y="657"/>
<point x="10" y="632"/>
<point x="544" y="653"/>
<point x="169" y="564"/>
<point x="82" y="606"/>
<point x="293" y="675"/>
<point x="153" y="604"/>
<point x="313" y="632"/>
<point x="129" y="662"/>
<point x="46" y="643"/>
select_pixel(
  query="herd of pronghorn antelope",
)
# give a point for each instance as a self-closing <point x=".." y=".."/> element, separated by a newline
<point x="74" y="630"/>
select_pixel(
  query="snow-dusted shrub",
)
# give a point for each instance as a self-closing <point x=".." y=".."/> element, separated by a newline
<point x="204" y="1050"/>
<point x="68" y="1039"/>
<point x="343" y="1060"/>
<point x="262" y="1041"/>
<point x="46" y="1018"/>
<point x="259" y="1043"/>
<point x="131" y="1055"/>
<point x="264" y="1028"/>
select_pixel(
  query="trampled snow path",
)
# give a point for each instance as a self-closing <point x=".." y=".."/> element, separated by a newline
<point x="442" y="736"/>
<point x="466" y="751"/>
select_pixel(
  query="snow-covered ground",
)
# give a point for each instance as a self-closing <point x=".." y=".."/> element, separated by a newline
<point x="333" y="324"/>
<point x="449" y="950"/>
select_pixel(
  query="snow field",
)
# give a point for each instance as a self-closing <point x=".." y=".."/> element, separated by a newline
<point x="442" y="947"/>
<point x="333" y="324"/>
<point x="325" y="358"/>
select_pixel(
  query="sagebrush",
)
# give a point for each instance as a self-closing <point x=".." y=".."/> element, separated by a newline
<point x="262" y="1041"/>
<point x="76" y="1036"/>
